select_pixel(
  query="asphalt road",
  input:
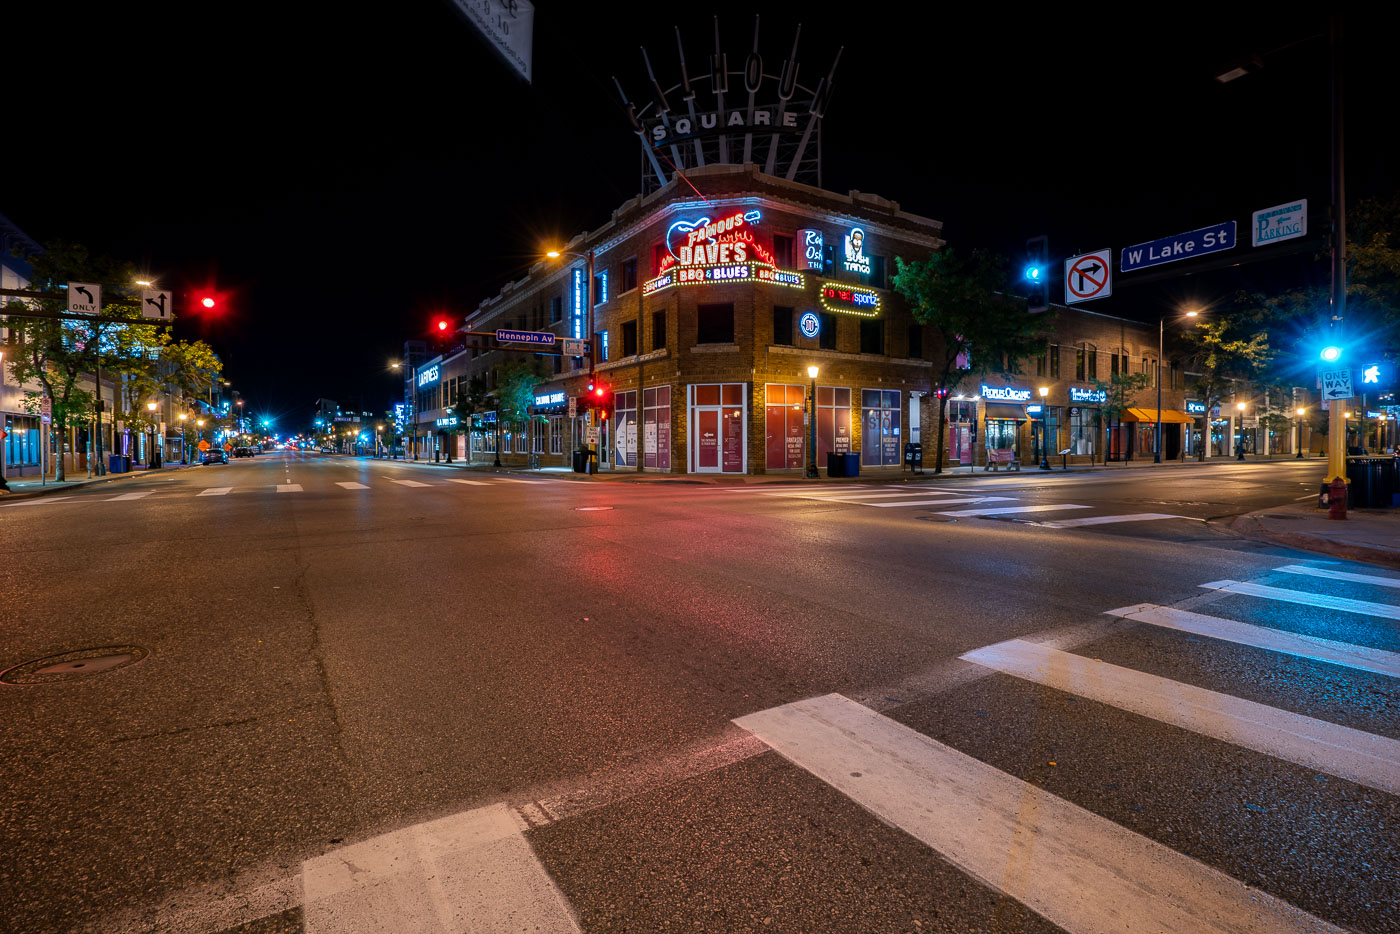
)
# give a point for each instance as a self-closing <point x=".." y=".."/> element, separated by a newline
<point x="372" y="695"/>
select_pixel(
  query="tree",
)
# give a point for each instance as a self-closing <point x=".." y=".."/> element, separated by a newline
<point x="1119" y="391"/>
<point x="473" y="400"/>
<point x="981" y="328"/>
<point x="1223" y="355"/>
<point x="56" y="353"/>
<point x="515" y="393"/>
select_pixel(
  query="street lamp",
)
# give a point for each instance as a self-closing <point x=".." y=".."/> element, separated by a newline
<point x="1298" y="427"/>
<point x="1161" y="333"/>
<point x="1239" y="445"/>
<point x="812" y="428"/>
<point x="184" y="440"/>
<point x="1044" y="429"/>
<point x="587" y="257"/>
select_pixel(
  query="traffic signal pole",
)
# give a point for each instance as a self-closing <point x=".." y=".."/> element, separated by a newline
<point x="1336" y="408"/>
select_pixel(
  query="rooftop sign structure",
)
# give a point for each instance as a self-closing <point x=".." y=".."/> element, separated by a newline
<point x="739" y="117"/>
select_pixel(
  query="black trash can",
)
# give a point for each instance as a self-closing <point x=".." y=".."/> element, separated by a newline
<point x="1373" y="482"/>
<point x="580" y="461"/>
<point x="835" y="464"/>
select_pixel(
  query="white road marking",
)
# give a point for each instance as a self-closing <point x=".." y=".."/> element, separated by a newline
<point x="216" y="491"/>
<point x="1106" y="520"/>
<point x="471" y="872"/>
<point x="952" y="501"/>
<point x="1263" y="637"/>
<point x="409" y="483"/>
<point x="1078" y="870"/>
<point x="1338" y="750"/>
<point x="1009" y="509"/>
<point x="848" y="492"/>
<point x="1340" y="575"/>
<point x="142" y="495"/>
<point x="347" y="485"/>
<point x="289" y="488"/>
<point x="468" y="482"/>
<point x="36" y="502"/>
<point x="1321" y="600"/>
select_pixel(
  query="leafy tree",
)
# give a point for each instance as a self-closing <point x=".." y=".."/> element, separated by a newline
<point x="1119" y="390"/>
<point x="515" y="393"/>
<point x="1222" y="355"/>
<point x="981" y="329"/>
<point x="469" y="402"/>
<point x="56" y="353"/>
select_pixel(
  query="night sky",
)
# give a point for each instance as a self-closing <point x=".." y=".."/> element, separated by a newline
<point x="342" y="172"/>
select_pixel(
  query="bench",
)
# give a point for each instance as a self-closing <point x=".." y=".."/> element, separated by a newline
<point x="999" y="457"/>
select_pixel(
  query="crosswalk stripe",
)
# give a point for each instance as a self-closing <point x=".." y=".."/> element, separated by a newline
<point x="953" y="501"/>
<point x="289" y="488"/>
<point x="143" y="495"/>
<point x="347" y="485"/>
<point x="1002" y="510"/>
<point x="36" y="502"/>
<point x="845" y="493"/>
<point x="1080" y="871"/>
<point x="471" y="871"/>
<point x="1106" y="520"/>
<point x="468" y="482"/>
<point x="1338" y="750"/>
<point x="1340" y="575"/>
<point x="409" y="483"/>
<point x="217" y="491"/>
<point x="1360" y="657"/>
<point x="1322" y="600"/>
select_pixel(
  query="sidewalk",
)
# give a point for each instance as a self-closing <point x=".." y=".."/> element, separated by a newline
<point x="1370" y="535"/>
<point x="31" y="487"/>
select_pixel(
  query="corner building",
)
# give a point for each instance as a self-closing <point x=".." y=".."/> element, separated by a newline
<point x="707" y="313"/>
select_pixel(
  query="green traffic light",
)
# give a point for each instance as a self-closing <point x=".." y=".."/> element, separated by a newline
<point x="1331" y="354"/>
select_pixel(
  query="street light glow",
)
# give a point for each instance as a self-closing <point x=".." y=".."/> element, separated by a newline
<point x="1331" y="354"/>
<point x="812" y="372"/>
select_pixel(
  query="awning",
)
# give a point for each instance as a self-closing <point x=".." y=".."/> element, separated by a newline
<point x="1169" y="416"/>
<point x="1003" y="410"/>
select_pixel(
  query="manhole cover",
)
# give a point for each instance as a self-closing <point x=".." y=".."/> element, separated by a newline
<point x="592" y="508"/>
<point x="72" y="665"/>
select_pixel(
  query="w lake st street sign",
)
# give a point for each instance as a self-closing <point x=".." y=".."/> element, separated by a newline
<point x="1213" y="239"/>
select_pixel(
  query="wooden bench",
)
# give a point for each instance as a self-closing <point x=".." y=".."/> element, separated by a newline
<point x="999" y="457"/>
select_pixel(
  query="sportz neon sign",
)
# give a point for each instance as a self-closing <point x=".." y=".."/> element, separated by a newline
<point x="850" y="300"/>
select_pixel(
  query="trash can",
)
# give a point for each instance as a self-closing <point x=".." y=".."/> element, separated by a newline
<point x="1373" y="482"/>
<point x="118" y="463"/>
<point x="835" y="464"/>
<point x="580" y="461"/>
<point x="852" y="463"/>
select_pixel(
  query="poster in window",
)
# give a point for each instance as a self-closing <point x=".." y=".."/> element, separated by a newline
<point x="707" y="439"/>
<point x="733" y="441"/>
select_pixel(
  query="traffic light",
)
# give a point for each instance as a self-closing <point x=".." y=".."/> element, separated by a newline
<point x="1331" y="354"/>
<point x="598" y="394"/>
<point x="1036" y="273"/>
<point x="442" y="325"/>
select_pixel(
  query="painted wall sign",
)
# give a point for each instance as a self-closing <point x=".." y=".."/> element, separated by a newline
<point x="430" y="375"/>
<point x="850" y="300"/>
<point x="1005" y="393"/>
<point x="855" y="258"/>
<point x="1087" y="395"/>
<point x="810" y="324"/>
<point x="1281" y="222"/>
<point x="811" y="243"/>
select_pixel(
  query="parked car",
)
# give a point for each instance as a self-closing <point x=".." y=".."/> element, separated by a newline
<point x="327" y="450"/>
<point x="214" y="456"/>
<point x="243" y="452"/>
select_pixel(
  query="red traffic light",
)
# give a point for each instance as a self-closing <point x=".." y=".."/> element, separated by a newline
<point x="207" y="301"/>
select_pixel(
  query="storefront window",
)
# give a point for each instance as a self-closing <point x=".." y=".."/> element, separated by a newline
<point x="880" y="427"/>
<point x="656" y="427"/>
<point x="833" y="421"/>
<point x="22" y="444"/>
<point x="784" y="408"/>
<point x="1083" y="430"/>
<point x="625" y="428"/>
<point x="716" y="424"/>
<point x="556" y="434"/>
<point x="1002" y="435"/>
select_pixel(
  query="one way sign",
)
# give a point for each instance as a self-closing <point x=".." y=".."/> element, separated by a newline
<point x="1089" y="276"/>
<point x="1336" y="384"/>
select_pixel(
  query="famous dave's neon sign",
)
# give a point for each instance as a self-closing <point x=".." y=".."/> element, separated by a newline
<point x="701" y="250"/>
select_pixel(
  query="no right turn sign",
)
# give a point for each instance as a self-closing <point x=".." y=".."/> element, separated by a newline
<point x="1088" y="276"/>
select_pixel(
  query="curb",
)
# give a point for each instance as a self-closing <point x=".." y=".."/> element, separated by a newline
<point x="1385" y="557"/>
<point x="81" y="484"/>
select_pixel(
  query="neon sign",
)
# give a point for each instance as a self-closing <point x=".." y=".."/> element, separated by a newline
<point x="1196" y="408"/>
<point x="694" y="242"/>
<point x="448" y="422"/>
<point x="810" y="324"/>
<point x="856" y="260"/>
<point x="553" y="398"/>
<point x="732" y="272"/>
<point x="578" y="303"/>
<point x="430" y="375"/>
<point x="1087" y="395"/>
<point x="1005" y="393"/>
<point x="850" y="300"/>
<point x="812" y="245"/>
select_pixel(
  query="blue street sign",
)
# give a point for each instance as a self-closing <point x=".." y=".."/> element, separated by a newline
<point x="543" y="338"/>
<point x="1211" y="239"/>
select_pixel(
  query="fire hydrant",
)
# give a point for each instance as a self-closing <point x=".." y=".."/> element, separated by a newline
<point x="1337" y="499"/>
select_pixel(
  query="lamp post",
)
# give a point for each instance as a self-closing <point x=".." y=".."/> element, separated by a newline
<point x="1161" y="333"/>
<point x="1239" y="445"/>
<point x="1044" y="429"/>
<point x="812" y="473"/>
<point x="1298" y="427"/>
<point x="184" y="440"/>
<point x="154" y="459"/>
